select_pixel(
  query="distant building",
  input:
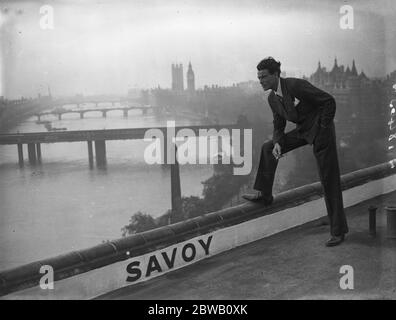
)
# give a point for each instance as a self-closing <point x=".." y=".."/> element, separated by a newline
<point x="134" y="93"/>
<point x="250" y="87"/>
<point x="338" y="77"/>
<point x="360" y="100"/>
<point x="190" y="79"/>
<point x="177" y="77"/>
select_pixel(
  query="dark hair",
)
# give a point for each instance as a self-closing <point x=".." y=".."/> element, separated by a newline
<point x="270" y="64"/>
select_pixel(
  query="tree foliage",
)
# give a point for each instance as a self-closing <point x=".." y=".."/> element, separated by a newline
<point x="139" y="222"/>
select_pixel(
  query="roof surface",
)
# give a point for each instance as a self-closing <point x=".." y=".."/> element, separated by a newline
<point x="293" y="264"/>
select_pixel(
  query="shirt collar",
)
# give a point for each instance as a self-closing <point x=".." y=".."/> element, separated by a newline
<point x="279" y="89"/>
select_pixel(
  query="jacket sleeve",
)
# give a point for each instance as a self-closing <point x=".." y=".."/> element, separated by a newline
<point x="279" y="128"/>
<point x="305" y="91"/>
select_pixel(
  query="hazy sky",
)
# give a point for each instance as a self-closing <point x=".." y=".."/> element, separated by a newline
<point x="110" y="46"/>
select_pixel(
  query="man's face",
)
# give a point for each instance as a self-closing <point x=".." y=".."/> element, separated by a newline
<point x="267" y="80"/>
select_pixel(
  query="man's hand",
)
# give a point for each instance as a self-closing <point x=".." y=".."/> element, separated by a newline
<point x="277" y="152"/>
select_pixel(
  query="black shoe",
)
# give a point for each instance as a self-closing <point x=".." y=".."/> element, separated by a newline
<point x="335" y="240"/>
<point x="258" y="197"/>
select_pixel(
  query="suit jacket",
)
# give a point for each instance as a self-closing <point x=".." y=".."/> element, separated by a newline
<point x="316" y="108"/>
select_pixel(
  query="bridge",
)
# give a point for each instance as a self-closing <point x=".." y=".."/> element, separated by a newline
<point x="98" y="139"/>
<point x="78" y="101"/>
<point x="245" y="252"/>
<point x="59" y="111"/>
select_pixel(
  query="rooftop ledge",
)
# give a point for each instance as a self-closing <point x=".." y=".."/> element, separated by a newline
<point x="109" y="263"/>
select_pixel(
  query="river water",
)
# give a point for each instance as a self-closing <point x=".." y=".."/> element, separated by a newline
<point x="62" y="205"/>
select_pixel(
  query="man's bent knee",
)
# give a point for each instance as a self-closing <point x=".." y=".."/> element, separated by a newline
<point x="268" y="146"/>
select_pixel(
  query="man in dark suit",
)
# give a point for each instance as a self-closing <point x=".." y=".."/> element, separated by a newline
<point x="313" y="111"/>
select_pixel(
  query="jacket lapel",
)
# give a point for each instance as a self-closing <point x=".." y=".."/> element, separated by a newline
<point x="288" y="102"/>
<point x="276" y="105"/>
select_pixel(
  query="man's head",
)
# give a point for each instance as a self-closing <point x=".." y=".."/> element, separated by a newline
<point x="268" y="73"/>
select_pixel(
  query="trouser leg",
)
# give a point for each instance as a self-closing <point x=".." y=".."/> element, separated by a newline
<point x="325" y="151"/>
<point x="268" y="163"/>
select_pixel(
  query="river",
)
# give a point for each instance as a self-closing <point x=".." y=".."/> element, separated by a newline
<point x="62" y="205"/>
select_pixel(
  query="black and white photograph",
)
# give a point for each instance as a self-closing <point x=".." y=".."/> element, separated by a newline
<point x="197" y="155"/>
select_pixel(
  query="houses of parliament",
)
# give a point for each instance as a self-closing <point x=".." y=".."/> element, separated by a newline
<point x="178" y="78"/>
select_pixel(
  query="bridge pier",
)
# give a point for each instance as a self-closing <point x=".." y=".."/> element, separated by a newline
<point x="100" y="152"/>
<point x="38" y="152"/>
<point x="81" y="115"/>
<point x="20" y="154"/>
<point x="38" y="117"/>
<point x="175" y="189"/>
<point x="59" y="116"/>
<point x="90" y="154"/>
<point x="32" y="153"/>
<point x="125" y="113"/>
<point x="104" y="113"/>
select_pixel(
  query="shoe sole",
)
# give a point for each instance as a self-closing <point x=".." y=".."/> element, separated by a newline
<point x="334" y="244"/>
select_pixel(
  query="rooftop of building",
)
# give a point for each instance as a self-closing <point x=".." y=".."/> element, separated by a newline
<point x="293" y="264"/>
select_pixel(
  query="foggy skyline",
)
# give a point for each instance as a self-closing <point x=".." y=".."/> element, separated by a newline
<point x="110" y="47"/>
